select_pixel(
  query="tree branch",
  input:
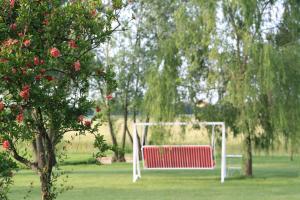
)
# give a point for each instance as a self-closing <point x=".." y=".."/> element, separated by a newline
<point x="27" y="163"/>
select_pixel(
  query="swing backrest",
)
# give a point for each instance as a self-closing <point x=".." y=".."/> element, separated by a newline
<point x="178" y="157"/>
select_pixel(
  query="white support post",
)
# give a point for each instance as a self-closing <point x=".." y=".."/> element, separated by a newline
<point x="223" y="157"/>
<point x="213" y="137"/>
<point x="135" y="155"/>
<point x="213" y="141"/>
<point x="143" y="136"/>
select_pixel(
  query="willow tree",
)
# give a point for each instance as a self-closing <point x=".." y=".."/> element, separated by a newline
<point x="163" y="62"/>
<point x="253" y="71"/>
<point x="195" y="27"/>
<point x="287" y="45"/>
<point x="154" y="56"/>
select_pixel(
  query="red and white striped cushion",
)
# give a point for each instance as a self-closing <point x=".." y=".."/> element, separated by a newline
<point x="189" y="156"/>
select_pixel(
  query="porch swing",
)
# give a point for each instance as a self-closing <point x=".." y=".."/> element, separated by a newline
<point x="176" y="157"/>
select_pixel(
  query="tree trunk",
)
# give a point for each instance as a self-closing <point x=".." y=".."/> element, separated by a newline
<point x="116" y="151"/>
<point x="292" y="156"/>
<point x="111" y="131"/>
<point x="115" y="156"/>
<point x="129" y="135"/>
<point x="138" y="137"/>
<point x="293" y="146"/>
<point x="292" y="151"/>
<point x="248" y="156"/>
<point x="45" y="180"/>
<point x="43" y="148"/>
<point x="45" y="162"/>
<point x="139" y="143"/>
<point x="125" y="117"/>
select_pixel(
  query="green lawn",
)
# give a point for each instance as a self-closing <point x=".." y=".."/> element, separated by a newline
<point x="276" y="178"/>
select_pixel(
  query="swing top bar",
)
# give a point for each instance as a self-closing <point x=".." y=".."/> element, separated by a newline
<point x="178" y="123"/>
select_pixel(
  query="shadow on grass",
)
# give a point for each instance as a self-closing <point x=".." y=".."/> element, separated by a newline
<point x="79" y="162"/>
<point x="267" y="175"/>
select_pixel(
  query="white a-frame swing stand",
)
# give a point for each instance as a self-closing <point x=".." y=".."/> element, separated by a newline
<point x="196" y="156"/>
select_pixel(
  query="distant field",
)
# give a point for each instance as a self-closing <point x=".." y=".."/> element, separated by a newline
<point x="276" y="178"/>
<point x="84" y="144"/>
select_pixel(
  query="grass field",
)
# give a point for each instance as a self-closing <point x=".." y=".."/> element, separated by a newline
<point x="276" y="178"/>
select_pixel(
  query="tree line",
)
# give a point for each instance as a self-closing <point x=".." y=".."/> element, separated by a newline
<point x="241" y="57"/>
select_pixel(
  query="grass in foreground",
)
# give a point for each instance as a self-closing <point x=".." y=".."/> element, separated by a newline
<point x="276" y="178"/>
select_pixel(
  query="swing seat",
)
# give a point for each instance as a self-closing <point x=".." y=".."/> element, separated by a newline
<point x="178" y="157"/>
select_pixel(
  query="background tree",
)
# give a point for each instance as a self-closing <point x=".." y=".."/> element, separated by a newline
<point x="106" y="99"/>
<point x="195" y="29"/>
<point x="145" y="67"/>
<point x="254" y="73"/>
<point x="124" y="61"/>
<point x="286" y="42"/>
<point x="227" y="53"/>
<point x="128" y="77"/>
<point x="45" y="58"/>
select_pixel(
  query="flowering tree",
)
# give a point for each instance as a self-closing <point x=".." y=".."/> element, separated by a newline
<point x="45" y="68"/>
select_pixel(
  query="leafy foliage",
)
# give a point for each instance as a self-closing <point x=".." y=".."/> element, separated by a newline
<point x="7" y="166"/>
<point x="219" y="112"/>
<point x="101" y="145"/>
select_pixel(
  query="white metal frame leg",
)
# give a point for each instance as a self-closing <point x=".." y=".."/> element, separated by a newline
<point x="135" y="160"/>
<point x="223" y="157"/>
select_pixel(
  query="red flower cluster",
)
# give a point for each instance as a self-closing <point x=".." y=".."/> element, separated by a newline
<point x="43" y="71"/>
<point x="6" y="144"/>
<point x="26" y="43"/>
<point x="36" y="60"/>
<point x="1" y="106"/>
<point x="3" y="60"/>
<point x="38" y="77"/>
<point x="49" y="78"/>
<point x="24" y="71"/>
<point x="109" y="97"/>
<point x="87" y="123"/>
<point x="12" y="3"/>
<point x="98" y="109"/>
<point x="72" y="44"/>
<point x="55" y="52"/>
<point x="80" y="118"/>
<point x="13" y="26"/>
<point x="46" y="22"/>
<point x="29" y="65"/>
<point x="25" y="92"/>
<point x="20" y="118"/>
<point x="77" y="66"/>
<point x="14" y="70"/>
<point x="6" y="78"/>
<point x="93" y="13"/>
